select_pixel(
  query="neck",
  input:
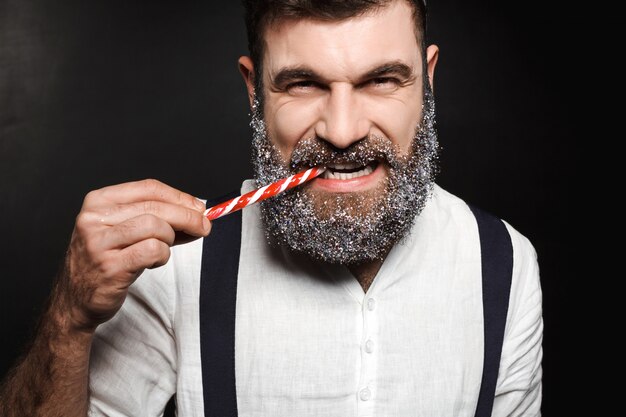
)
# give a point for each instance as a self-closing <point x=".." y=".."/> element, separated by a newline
<point x="365" y="272"/>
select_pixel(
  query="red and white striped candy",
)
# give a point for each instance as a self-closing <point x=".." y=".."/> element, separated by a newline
<point x="262" y="193"/>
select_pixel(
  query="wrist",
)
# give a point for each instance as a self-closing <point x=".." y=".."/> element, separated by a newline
<point x="64" y="333"/>
<point x="66" y="320"/>
<point x="64" y="310"/>
<point x="71" y="324"/>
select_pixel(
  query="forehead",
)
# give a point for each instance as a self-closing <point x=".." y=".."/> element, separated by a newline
<point x="344" y="47"/>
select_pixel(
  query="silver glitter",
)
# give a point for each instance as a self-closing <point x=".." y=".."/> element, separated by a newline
<point x="347" y="228"/>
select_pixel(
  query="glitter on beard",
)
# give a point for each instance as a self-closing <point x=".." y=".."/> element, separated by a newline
<point x="347" y="228"/>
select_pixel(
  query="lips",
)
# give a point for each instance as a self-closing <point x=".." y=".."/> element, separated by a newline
<point x="348" y="170"/>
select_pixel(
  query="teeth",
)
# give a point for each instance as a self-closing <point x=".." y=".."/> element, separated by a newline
<point x="329" y="174"/>
<point x="347" y="165"/>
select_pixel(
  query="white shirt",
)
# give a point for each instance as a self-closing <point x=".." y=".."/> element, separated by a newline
<point x="309" y="342"/>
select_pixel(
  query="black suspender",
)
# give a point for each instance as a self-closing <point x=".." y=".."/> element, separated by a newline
<point x="496" y="252"/>
<point x="218" y="296"/>
<point x="218" y="300"/>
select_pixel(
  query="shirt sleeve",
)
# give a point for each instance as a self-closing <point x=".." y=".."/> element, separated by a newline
<point x="518" y="390"/>
<point x="133" y="357"/>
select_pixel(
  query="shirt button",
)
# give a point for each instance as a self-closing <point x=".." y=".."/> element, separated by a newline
<point x="365" y="394"/>
<point x="371" y="304"/>
<point x="369" y="346"/>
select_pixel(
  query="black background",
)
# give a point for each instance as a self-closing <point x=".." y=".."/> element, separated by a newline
<point x="100" y="92"/>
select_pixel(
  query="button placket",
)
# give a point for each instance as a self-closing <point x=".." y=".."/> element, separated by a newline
<point x="366" y="394"/>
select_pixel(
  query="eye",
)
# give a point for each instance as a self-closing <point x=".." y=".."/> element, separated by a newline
<point x="384" y="83"/>
<point x="302" y="87"/>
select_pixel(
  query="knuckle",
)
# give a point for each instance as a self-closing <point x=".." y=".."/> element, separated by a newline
<point x="153" y="253"/>
<point x="82" y="222"/>
<point x="180" y="197"/>
<point x="150" y="222"/>
<point x="160" y="254"/>
<point x="90" y="198"/>
<point x="92" y="249"/>
<point x="193" y="219"/>
<point x="151" y="184"/>
<point x="151" y="207"/>
<point x="153" y="246"/>
<point x="199" y="222"/>
<point x="127" y="228"/>
<point x="185" y="199"/>
<point x="107" y="266"/>
<point x="189" y="217"/>
<point x="133" y="260"/>
<point x="170" y="236"/>
<point x="165" y="256"/>
<point x="86" y="223"/>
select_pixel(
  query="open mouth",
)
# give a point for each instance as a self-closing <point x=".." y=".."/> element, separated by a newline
<point x="348" y="170"/>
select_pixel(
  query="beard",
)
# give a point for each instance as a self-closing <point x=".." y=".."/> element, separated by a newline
<point x="347" y="228"/>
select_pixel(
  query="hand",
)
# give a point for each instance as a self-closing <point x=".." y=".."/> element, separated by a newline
<point x="120" y="231"/>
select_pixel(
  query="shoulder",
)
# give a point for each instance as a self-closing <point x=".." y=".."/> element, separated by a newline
<point x="448" y="210"/>
<point x="526" y="297"/>
<point x="452" y="208"/>
<point x="448" y="204"/>
<point x="446" y="216"/>
<point x="524" y="253"/>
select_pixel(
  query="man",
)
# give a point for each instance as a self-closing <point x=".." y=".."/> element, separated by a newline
<point x="359" y="293"/>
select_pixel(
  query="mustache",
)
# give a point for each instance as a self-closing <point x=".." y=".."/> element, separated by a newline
<point x="315" y="151"/>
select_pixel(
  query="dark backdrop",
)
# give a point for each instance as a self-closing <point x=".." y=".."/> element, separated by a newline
<point x="100" y="92"/>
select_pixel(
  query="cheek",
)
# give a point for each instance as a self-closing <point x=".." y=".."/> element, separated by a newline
<point x="398" y="119"/>
<point x="289" y="122"/>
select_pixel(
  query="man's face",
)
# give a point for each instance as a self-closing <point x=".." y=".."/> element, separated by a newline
<point x="347" y="95"/>
<point x="343" y="81"/>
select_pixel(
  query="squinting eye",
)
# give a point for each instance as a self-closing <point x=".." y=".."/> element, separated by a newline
<point x="385" y="82"/>
<point x="301" y="86"/>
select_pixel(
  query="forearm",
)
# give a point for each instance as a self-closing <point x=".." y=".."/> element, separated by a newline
<point x="52" y="378"/>
<point x="120" y="231"/>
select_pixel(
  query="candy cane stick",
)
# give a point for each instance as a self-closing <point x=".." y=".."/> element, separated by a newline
<point x="262" y="193"/>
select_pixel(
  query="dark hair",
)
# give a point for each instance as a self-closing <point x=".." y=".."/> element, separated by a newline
<point x="261" y="13"/>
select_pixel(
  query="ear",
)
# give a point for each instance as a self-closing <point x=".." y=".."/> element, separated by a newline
<point x="246" y="67"/>
<point x="432" y="55"/>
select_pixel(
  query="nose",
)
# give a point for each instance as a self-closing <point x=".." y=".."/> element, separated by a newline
<point x="343" y="120"/>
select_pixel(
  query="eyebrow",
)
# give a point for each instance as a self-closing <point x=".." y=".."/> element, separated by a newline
<point x="398" y="68"/>
<point x="290" y="74"/>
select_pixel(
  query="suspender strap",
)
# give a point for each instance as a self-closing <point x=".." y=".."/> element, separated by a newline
<point x="218" y="300"/>
<point x="497" y="267"/>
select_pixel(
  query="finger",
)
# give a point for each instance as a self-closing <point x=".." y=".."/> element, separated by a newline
<point x="180" y="218"/>
<point x="182" y="238"/>
<point x="131" y="231"/>
<point x="136" y="191"/>
<point x="149" y="253"/>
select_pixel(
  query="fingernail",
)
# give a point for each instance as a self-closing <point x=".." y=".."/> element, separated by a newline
<point x="206" y="224"/>
<point x="199" y="204"/>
